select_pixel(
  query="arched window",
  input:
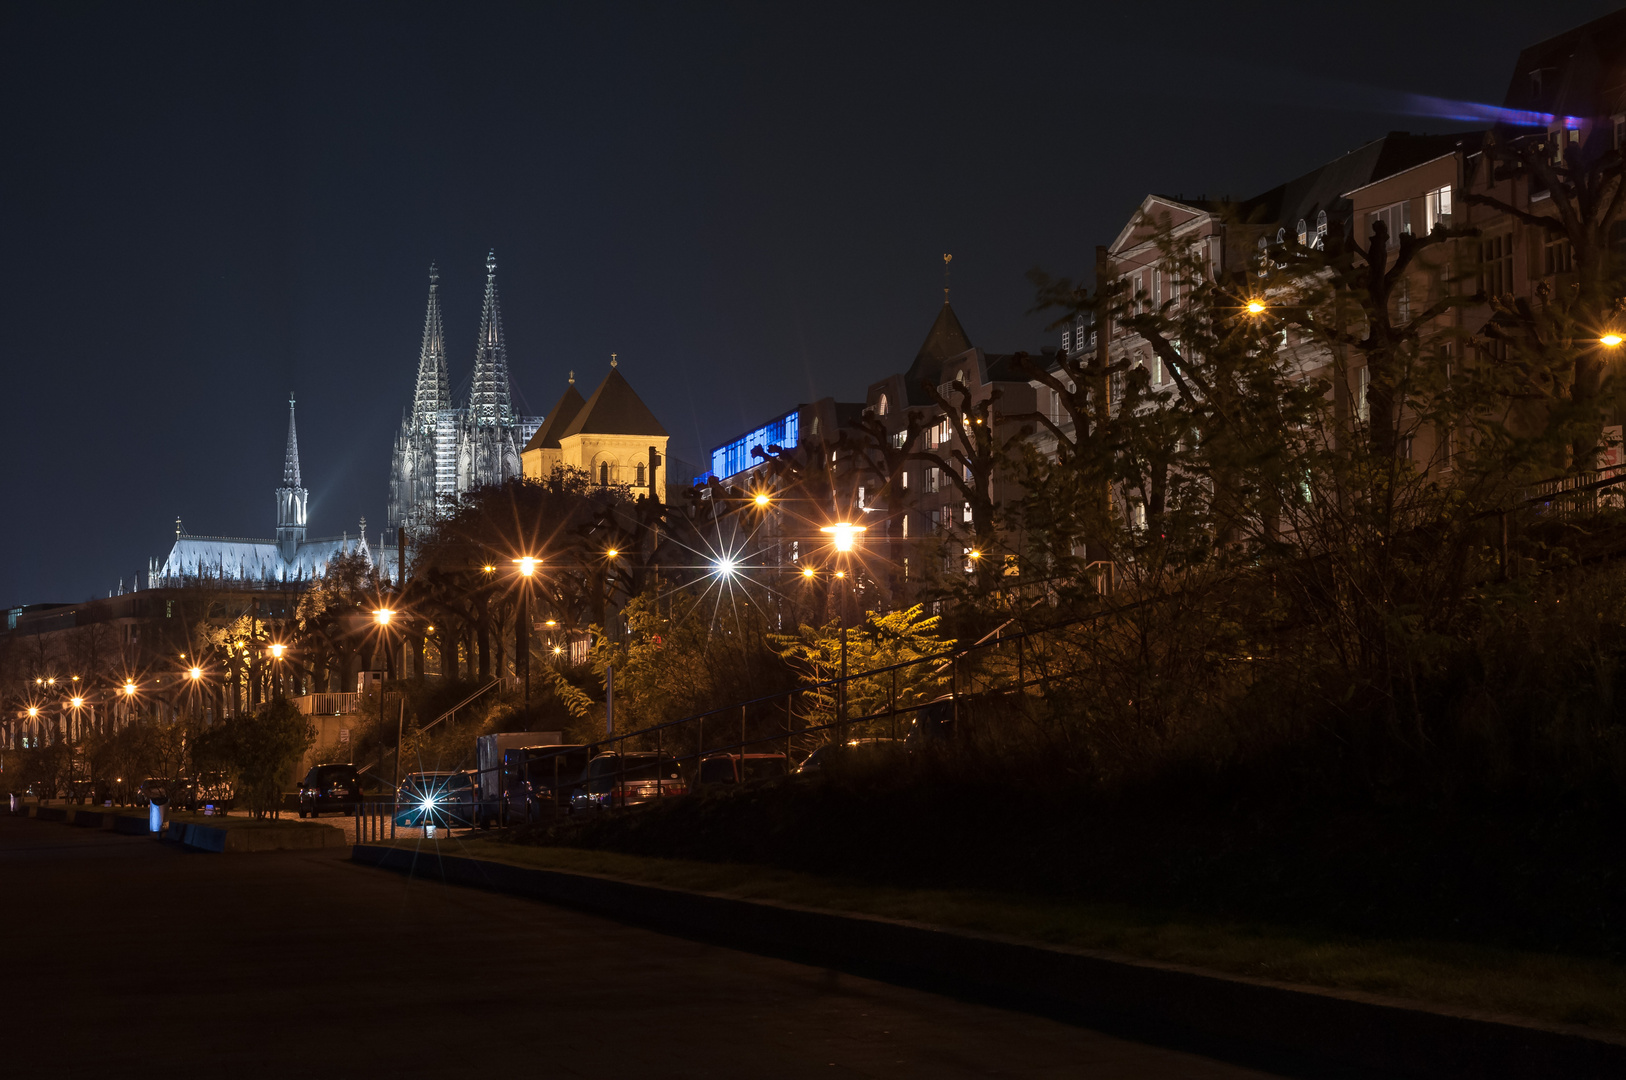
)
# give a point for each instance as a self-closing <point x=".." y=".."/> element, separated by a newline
<point x="1304" y="233"/>
<point x="604" y="474"/>
<point x="1321" y="229"/>
<point x="960" y="377"/>
<point x="639" y="475"/>
<point x="882" y="406"/>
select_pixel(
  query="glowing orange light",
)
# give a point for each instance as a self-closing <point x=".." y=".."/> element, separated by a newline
<point x="195" y="674"/>
<point x="807" y="571"/>
<point x="78" y="702"/>
<point x="277" y="649"/>
<point x="762" y="498"/>
<point x="1611" y="340"/>
<point x="842" y="534"/>
<point x="1256" y="307"/>
<point x="612" y="553"/>
<point x="383" y="616"/>
<point x="841" y="573"/>
<point x="527" y="565"/>
<point x="129" y="688"/>
<point x="33" y="710"/>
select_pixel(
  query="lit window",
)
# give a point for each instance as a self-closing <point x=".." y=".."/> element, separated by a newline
<point x="1321" y="229"/>
<point x="638" y="474"/>
<point x="904" y="477"/>
<point x="604" y="474"/>
<point x="1066" y="341"/>
<point x="1397" y="218"/>
<point x="881" y="406"/>
<point x="1436" y="209"/>
<point x="1304" y="233"/>
<point x="968" y="513"/>
<point x="1157" y="370"/>
<point x="860" y="496"/>
<point x="906" y="531"/>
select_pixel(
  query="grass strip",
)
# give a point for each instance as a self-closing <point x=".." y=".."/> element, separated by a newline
<point x="1536" y="986"/>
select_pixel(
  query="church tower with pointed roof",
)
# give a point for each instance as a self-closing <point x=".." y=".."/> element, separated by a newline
<point x="612" y="437"/>
<point x="442" y="450"/>
<point x="291" y="496"/>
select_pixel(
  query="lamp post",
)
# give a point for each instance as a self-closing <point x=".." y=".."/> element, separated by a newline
<point x="276" y="650"/>
<point x="842" y="536"/>
<point x="522" y="637"/>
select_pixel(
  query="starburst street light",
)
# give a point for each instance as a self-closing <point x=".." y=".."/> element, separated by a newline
<point x="842" y="534"/>
<point x="195" y="674"/>
<point x="527" y="565"/>
<point x="612" y="553"/>
<point x="33" y="710"/>
<point x="725" y="566"/>
<point x="1256" y="307"/>
<point x="383" y="616"/>
<point x="277" y="649"/>
<point x="77" y="702"/>
<point x="762" y="499"/>
<point x="1611" y="340"/>
<point x="808" y="571"/>
<point x="129" y="688"/>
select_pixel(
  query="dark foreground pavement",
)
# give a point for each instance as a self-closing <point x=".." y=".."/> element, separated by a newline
<point x="123" y="956"/>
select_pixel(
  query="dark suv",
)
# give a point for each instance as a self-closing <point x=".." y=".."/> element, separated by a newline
<point x="330" y="787"/>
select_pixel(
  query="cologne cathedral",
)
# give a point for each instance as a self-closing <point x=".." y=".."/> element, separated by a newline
<point x="445" y="450"/>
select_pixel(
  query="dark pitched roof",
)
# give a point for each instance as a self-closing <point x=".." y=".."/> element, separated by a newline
<point x="559" y="418"/>
<point x="1577" y="73"/>
<point x="614" y="409"/>
<point x="944" y="340"/>
<point x="1325" y="187"/>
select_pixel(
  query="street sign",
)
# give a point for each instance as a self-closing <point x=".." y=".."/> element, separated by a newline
<point x="344" y="734"/>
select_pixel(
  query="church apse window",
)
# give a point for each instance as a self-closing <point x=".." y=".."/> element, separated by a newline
<point x="604" y="474"/>
<point x="639" y="475"/>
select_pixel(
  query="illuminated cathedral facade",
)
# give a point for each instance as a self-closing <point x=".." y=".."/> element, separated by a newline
<point x="444" y="450"/>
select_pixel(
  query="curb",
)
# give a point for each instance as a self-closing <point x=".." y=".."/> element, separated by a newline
<point x="1301" y="1030"/>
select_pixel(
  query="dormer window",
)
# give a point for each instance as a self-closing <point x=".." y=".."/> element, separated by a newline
<point x="882" y="407"/>
<point x="1304" y="233"/>
<point x="1321" y="229"/>
<point x="960" y="378"/>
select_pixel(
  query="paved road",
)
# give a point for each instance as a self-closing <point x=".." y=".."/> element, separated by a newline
<point x="127" y="957"/>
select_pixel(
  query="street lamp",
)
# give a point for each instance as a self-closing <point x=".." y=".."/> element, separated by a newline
<point x="762" y="500"/>
<point x="522" y="629"/>
<point x="1256" y="307"/>
<point x="842" y="534"/>
<point x="1611" y="340"/>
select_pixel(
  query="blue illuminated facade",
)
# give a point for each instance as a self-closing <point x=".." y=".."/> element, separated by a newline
<point x="735" y="457"/>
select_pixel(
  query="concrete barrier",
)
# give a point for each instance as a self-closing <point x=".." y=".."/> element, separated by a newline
<point x="127" y="825"/>
<point x="1276" y="1026"/>
<point x="50" y="813"/>
<point x="255" y="838"/>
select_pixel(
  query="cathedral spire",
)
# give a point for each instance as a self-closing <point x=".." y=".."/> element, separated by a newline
<point x="490" y="399"/>
<point x="291" y="497"/>
<point x="290" y="457"/>
<point x="434" y="382"/>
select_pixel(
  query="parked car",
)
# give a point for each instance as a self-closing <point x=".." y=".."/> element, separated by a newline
<point x="538" y="779"/>
<point x="852" y="748"/>
<point x="210" y="789"/>
<point x="442" y="799"/>
<point x="932" y="725"/>
<point x="330" y="787"/>
<point x="615" y="779"/>
<point x="738" y="769"/>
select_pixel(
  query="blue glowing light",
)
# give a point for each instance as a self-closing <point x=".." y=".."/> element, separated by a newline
<point x="735" y="457"/>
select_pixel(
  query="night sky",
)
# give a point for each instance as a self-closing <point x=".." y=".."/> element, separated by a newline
<point x="206" y="207"/>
